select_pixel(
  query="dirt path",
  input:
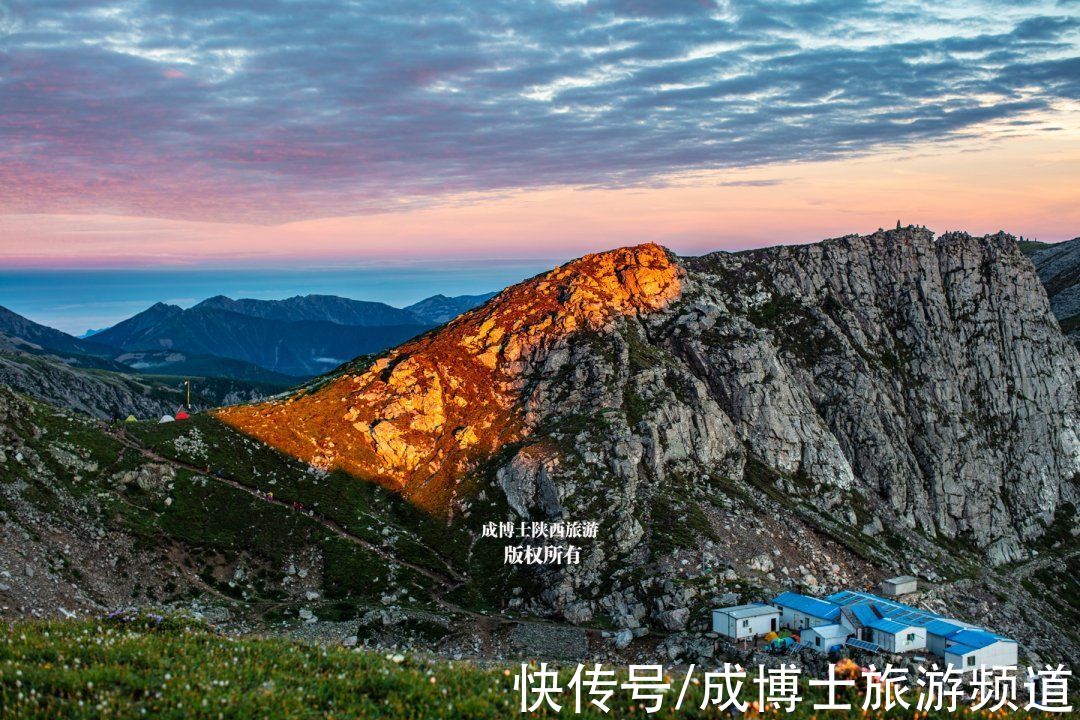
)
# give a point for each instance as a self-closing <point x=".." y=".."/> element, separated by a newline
<point x="1044" y="560"/>
<point x="446" y="582"/>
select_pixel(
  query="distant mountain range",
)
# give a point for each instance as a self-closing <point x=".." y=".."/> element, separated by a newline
<point x="249" y="348"/>
<point x="439" y="309"/>
<point x="319" y="308"/>
<point x="300" y="336"/>
<point x="300" y="348"/>
<point x="108" y="388"/>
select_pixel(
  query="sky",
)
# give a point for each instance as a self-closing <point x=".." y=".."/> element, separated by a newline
<point x="250" y="134"/>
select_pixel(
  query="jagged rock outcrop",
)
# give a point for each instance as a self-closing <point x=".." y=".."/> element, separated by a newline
<point x="809" y="418"/>
<point x="912" y="385"/>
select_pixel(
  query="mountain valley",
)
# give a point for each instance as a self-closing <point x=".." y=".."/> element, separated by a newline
<point x="139" y="366"/>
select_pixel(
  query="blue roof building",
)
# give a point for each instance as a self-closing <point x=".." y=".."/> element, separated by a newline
<point x="940" y="630"/>
<point x="944" y="628"/>
<point x="972" y="648"/>
<point x="798" y="611"/>
<point x="892" y="626"/>
<point x="976" y="638"/>
<point x="863" y="614"/>
<point x="883" y="607"/>
<point x="888" y="626"/>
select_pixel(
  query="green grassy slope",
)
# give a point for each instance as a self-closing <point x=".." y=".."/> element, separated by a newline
<point x="217" y="515"/>
<point x="171" y="668"/>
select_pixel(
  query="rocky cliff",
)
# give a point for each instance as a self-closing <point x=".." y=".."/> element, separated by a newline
<point x="925" y="373"/>
<point x="891" y="399"/>
<point x="1058" y="267"/>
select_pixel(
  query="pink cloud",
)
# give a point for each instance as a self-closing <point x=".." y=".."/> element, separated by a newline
<point x="971" y="187"/>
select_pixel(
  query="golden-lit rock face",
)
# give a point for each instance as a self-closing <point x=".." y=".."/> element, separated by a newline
<point x="430" y="409"/>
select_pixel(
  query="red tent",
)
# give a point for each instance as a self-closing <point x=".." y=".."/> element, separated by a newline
<point x="182" y="415"/>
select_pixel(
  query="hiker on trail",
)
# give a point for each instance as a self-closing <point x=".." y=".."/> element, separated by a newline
<point x="219" y="472"/>
<point x="270" y="496"/>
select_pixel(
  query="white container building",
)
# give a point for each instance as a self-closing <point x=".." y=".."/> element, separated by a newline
<point x="897" y="586"/>
<point x="824" y="638"/>
<point x="897" y="637"/>
<point x="971" y="648"/>
<point x="798" y="611"/>
<point x="745" y="622"/>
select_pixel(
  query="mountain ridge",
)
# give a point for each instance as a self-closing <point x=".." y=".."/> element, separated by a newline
<point x="301" y="348"/>
<point x="114" y="391"/>
<point x="139" y="325"/>
<point x="302" y="336"/>
<point x="323" y="308"/>
<point x="439" y="309"/>
<point x="455" y="394"/>
<point x="46" y="337"/>
<point x="68" y="371"/>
